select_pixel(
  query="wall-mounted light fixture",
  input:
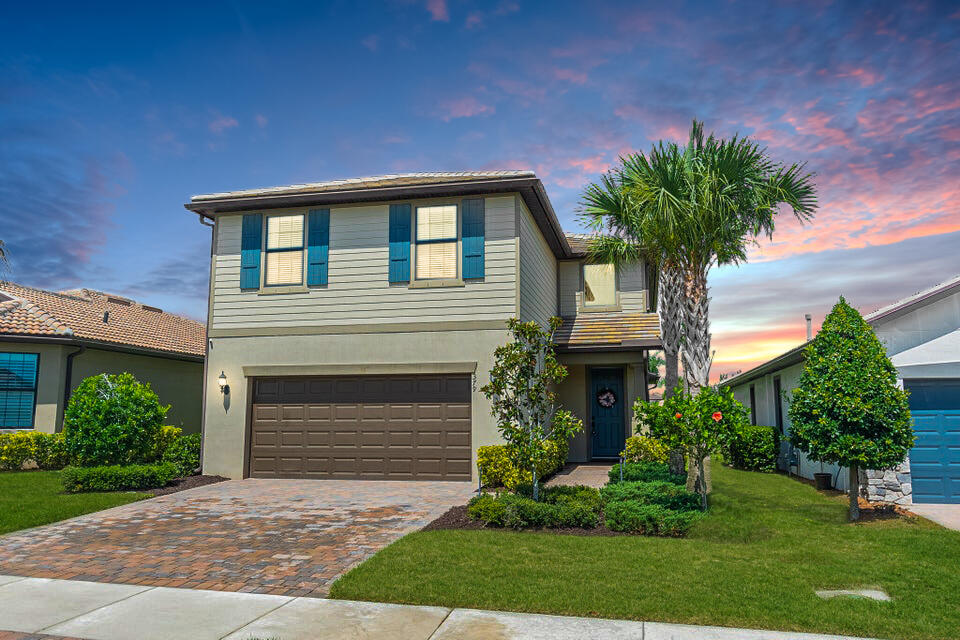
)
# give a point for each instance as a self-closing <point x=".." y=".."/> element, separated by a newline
<point x="222" y="381"/>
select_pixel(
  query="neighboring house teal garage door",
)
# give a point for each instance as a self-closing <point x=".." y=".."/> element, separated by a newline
<point x="414" y="427"/>
<point x="935" y="457"/>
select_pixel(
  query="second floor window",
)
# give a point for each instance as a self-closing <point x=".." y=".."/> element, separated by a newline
<point x="599" y="285"/>
<point x="436" y="240"/>
<point x="284" y="264"/>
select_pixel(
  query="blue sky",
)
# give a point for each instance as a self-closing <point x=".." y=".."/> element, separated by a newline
<point x="112" y="115"/>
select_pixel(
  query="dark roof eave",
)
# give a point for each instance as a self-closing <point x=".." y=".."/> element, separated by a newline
<point x="530" y="189"/>
<point x="626" y="345"/>
<point x="782" y="361"/>
<point x="99" y="344"/>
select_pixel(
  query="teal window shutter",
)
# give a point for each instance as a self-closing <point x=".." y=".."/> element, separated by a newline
<point x="399" y="243"/>
<point x="318" y="246"/>
<point x="251" y="241"/>
<point x="473" y="237"/>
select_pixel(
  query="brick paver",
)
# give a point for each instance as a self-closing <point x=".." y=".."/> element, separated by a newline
<point x="592" y="474"/>
<point x="285" y="537"/>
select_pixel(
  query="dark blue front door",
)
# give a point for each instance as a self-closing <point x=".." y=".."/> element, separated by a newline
<point x="606" y="413"/>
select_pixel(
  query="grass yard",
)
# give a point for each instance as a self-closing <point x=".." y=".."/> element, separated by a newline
<point x="755" y="562"/>
<point x="33" y="498"/>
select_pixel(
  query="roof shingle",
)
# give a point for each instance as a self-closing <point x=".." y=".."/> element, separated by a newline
<point x="87" y="314"/>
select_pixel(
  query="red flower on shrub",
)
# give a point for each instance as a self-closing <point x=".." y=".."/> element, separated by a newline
<point x="678" y="416"/>
<point x="717" y="416"/>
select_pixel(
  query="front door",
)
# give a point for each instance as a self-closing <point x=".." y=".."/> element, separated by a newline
<point x="606" y="414"/>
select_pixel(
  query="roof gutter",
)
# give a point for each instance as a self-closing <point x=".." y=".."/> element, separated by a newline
<point x="97" y="344"/>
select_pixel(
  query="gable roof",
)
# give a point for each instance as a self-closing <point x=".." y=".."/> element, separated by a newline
<point x="87" y="315"/>
<point x="395" y="186"/>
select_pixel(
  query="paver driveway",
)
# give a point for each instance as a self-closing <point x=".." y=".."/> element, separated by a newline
<point x="286" y="537"/>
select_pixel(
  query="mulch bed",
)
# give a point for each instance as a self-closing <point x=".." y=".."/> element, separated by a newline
<point x="190" y="482"/>
<point x="456" y="518"/>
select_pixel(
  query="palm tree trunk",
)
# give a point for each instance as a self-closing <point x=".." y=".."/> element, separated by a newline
<point x="854" y="490"/>
<point x="696" y="329"/>
<point x="670" y="309"/>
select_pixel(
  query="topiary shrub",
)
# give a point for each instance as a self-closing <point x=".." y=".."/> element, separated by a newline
<point x="498" y="466"/>
<point x="644" y="449"/>
<point x="648" y="519"/>
<point x="646" y="472"/>
<point x="666" y="494"/>
<point x="184" y="454"/>
<point x="117" y="477"/>
<point x="112" y="420"/>
<point x="45" y="450"/>
<point x="754" y="448"/>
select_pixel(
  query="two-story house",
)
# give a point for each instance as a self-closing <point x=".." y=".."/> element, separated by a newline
<point x="352" y="323"/>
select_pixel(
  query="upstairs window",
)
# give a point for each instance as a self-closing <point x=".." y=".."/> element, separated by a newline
<point x="284" y="264"/>
<point x="436" y="240"/>
<point x="599" y="285"/>
<point x="18" y="389"/>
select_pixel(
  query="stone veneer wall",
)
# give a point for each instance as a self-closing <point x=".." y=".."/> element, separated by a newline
<point x="890" y="486"/>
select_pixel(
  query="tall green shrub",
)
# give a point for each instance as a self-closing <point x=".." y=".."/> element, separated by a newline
<point x="848" y="409"/>
<point x="112" y="420"/>
<point x="754" y="448"/>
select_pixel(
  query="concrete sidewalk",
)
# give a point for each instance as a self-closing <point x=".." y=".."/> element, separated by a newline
<point x="101" y="611"/>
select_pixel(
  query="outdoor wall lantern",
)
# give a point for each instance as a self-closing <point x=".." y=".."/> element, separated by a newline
<point x="222" y="381"/>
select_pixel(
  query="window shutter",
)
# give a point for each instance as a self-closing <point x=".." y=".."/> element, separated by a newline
<point x="250" y="243"/>
<point x="473" y="237"/>
<point x="318" y="246"/>
<point x="399" y="243"/>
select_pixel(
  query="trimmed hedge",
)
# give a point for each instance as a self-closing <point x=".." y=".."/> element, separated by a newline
<point x="644" y="449"/>
<point x="754" y="448"/>
<point x="560" y="507"/>
<point x="117" y="477"/>
<point x="648" y="519"/>
<point x="45" y="450"/>
<point x="497" y="468"/>
<point x="646" y="472"/>
<point x="665" y="494"/>
<point x="184" y="454"/>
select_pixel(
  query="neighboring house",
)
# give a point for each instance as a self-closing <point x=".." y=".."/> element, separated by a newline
<point x="921" y="334"/>
<point x="352" y="324"/>
<point x="50" y="342"/>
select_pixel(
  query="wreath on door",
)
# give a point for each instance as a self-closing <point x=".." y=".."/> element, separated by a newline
<point x="606" y="398"/>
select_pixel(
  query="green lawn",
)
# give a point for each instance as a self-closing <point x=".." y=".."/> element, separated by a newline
<point x="33" y="498"/>
<point x="755" y="562"/>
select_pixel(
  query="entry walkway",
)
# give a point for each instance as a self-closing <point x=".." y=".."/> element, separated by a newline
<point x="947" y="515"/>
<point x="42" y="608"/>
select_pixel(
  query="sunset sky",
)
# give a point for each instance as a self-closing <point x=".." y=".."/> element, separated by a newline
<point x="112" y="116"/>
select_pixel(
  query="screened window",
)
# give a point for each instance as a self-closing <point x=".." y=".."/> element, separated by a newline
<point x="18" y="389"/>
<point x="599" y="285"/>
<point x="436" y="238"/>
<point x="284" y="250"/>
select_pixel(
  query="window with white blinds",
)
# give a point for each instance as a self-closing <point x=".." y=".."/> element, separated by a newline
<point x="599" y="285"/>
<point x="436" y="239"/>
<point x="284" y="263"/>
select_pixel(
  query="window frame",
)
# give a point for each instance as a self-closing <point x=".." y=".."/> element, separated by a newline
<point x="582" y="306"/>
<point x="35" y="390"/>
<point x="456" y="240"/>
<point x="753" y="404"/>
<point x="267" y="251"/>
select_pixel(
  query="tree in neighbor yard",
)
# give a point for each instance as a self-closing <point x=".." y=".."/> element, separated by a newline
<point x="521" y="393"/>
<point x="848" y="408"/>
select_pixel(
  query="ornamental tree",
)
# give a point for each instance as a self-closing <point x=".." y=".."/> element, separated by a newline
<point x="700" y="425"/>
<point x="848" y="409"/>
<point x="521" y="394"/>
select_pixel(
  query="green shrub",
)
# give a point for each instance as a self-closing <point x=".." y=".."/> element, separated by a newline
<point x="754" y="448"/>
<point x="117" y="477"/>
<point x="559" y="507"/>
<point x="46" y="450"/>
<point x="112" y="420"/>
<point x="498" y="467"/>
<point x="184" y="454"/>
<point x="666" y="494"/>
<point x="646" y="472"/>
<point x="644" y="449"/>
<point x="648" y="519"/>
<point x="165" y="437"/>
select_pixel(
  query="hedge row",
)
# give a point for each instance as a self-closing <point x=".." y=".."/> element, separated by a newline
<point x="646" y="472"/>
<point x="497" y="468"/>
<point x="26" y="448"/>
<point x="754" y="448"/>
<point x="117" y="477"/>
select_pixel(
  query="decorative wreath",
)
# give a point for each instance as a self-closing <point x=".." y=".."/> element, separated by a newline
<point x="606" y="398"/>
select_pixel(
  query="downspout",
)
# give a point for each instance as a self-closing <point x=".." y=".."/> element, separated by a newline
<point x="67" y="384"/>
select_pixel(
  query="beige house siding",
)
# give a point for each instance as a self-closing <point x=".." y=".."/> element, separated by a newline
<point x="50" y="381"/>
<point x="538" y="271"/>
<point x="176" y="382"/>
<point x="243" y="358"/>
<point x="631" y="286"/>
<point x="569" y="276"/>
<point x="359" y="292"/>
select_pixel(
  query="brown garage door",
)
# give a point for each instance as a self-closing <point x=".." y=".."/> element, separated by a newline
<point x="369" y="427"/>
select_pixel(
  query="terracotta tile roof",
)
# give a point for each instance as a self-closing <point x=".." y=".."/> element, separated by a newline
<point x="369" y="182"/>
<point x="80" y="314"/>
<point x="609" y="330"/>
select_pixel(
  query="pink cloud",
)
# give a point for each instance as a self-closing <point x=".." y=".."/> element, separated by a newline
<point x="438" y="10"/>
<point x="864" y="76"/>
<point x="262" y="120"/>
<point x="221" y="123"/>
<point x="474" y="20"/>
<point x="464" y="108"/>
<point x="576" y="77"/>
<point x="371" y="42"/>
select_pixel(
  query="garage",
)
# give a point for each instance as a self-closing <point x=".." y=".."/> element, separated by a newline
<point x="398" y="427"/>
<point x="935" y="457"/>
